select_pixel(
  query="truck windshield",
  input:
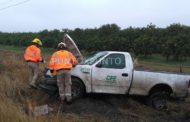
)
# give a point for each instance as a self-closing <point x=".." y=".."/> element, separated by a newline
<point x="95" y="58"/>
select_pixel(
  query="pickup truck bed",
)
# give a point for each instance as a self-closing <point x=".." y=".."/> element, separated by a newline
<point x="144" y="81"/>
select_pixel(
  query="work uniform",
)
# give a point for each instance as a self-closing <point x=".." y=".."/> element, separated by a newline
<point x="32" y="56"/>
<point x="62" y="62"/>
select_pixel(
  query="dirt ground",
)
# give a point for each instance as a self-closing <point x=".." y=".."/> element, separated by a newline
<point x="118" y="108"/>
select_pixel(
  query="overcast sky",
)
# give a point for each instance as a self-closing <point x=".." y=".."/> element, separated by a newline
<point x="37" y="15"/>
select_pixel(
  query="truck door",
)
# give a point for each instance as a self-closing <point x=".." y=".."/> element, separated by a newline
<point x="110" y="75"/>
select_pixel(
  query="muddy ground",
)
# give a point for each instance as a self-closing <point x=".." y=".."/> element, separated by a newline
<point x="117" y="108"/>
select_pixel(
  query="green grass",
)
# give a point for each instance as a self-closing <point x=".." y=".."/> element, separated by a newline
<point x="48" y="50"/>
<point x="159" y="63"/>
<point x="21" y="49"/>
<point x="12" y="48"/>
<point x="159" y="59"/>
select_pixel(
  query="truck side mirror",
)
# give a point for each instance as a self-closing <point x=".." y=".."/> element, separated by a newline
<point x="99" y="65"/>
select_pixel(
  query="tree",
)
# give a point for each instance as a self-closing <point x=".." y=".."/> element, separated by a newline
<point x="144" y="45"/>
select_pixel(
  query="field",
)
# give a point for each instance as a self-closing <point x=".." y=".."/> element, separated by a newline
<point x="16" y="95"/>
<point x="154" y="62"/>
<point x="157" y="62"/>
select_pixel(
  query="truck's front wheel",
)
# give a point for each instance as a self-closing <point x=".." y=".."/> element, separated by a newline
<point x="78" y="88"/>
<point x="158" y="100"/>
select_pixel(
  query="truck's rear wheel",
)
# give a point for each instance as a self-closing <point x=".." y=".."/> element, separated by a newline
<point x="78" y="89"/>
<point x="158" y="100"/>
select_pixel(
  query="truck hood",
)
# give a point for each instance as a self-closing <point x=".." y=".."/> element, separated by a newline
<point x="72" y="47"/>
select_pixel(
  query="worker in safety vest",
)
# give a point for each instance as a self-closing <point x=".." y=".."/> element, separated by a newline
<point x="32" y="56"/>
<point x="62" y="62"/>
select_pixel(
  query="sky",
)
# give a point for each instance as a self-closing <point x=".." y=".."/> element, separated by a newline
<point x="37" y="15"/>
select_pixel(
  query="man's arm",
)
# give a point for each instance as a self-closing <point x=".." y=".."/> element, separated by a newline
<point x="38" y="55"/>
<point x="52" y="62"/>
<point x="73" y="59"/>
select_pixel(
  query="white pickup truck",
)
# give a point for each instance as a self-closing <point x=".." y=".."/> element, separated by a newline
<point x="113" y="73"/>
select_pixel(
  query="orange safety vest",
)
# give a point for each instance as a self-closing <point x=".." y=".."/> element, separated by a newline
<point x="62" y="60"/>
<point x="32" y="53"/>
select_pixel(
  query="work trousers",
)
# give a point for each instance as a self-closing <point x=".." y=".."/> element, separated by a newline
<point x="64" y="83"/>
<point x="34" y="72"/>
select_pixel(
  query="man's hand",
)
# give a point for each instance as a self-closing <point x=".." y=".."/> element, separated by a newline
<point x="43" y="61"/>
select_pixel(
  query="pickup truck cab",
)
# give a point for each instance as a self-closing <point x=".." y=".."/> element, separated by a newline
<point x="106" y="72"/>
<point x="113" y="72"/>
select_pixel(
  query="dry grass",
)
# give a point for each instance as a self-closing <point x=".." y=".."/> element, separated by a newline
<point x="9" y="112"/>
<point x="15" y="92"/>
<point x="11" y="82"/>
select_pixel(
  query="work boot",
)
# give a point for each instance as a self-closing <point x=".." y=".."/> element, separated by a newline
<point x="68" y="100"/>
<point x="62" y="98"/>
<point x="33" y="85"/>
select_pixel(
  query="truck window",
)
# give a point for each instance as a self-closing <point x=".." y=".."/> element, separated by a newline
<point x="95" y="58"/>
<point x="116" y="61"/>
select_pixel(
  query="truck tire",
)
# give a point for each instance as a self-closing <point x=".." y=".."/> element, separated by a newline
<point x="78" y="89"/>
<point x="158" y="100"/>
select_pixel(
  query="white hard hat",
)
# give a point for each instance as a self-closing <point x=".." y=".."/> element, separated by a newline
<point x="61" y="45"/>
